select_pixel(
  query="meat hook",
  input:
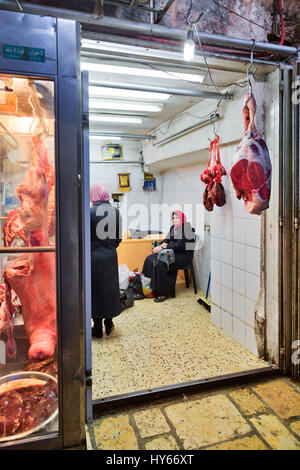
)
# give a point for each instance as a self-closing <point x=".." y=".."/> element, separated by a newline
<point x="249" y="74"/>
<point x="190" y="22"/>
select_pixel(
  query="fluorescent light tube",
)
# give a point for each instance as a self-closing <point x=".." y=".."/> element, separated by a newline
<point x="105" y="118"/>
<point x="104" y="137"/>
<point x="136" y="71"/>
<point x="109" y="105"/>
<point x="105" y="92"/>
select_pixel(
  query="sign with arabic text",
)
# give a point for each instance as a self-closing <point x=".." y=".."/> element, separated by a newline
<point x="32" y="54"/>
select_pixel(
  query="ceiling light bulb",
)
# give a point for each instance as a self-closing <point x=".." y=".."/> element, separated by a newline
<point x="189" y="46"/>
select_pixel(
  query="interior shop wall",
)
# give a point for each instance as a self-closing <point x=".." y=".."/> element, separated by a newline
<point x="182" y="189"/>
<point x="136" y="204"/>
<point x="235" y="250"/>
<point x="271" y="258"/>
<point x="235" y="264"/>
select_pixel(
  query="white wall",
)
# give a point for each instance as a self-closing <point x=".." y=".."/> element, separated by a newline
<point x="235" y="264"/>
<point x="107" y="173"/>
<point x="231" y="250"/>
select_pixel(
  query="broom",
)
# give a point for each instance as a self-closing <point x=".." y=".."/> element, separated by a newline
<point x="204" y="300"/>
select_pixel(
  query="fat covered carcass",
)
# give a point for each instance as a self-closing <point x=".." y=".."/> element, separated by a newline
<point x="251" y="169"/>
<point x="32" y="276"/>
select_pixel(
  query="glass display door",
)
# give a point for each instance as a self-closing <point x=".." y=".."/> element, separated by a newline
<point x="28" y="287"/>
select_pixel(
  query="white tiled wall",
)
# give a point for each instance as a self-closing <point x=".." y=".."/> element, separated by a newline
<point x="235" y="264"/>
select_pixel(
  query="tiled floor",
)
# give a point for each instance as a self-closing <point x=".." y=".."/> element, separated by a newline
<point x="159" y="344"/>
<point x="260" y="416"/>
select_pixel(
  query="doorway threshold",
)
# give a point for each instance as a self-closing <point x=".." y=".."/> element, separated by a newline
<point x="143" y="396"/>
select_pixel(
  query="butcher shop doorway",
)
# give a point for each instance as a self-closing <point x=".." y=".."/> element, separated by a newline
<point x="150" y="141"/>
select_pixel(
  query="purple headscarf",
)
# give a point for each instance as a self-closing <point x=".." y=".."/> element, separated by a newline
<point x="98" y="192"/>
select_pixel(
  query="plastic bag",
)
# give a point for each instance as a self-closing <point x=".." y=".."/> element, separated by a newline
<point x="135" y="287"/>
<point x="126" y="299"/>
<point x="147" y="291"/>
<point x="124" y="274"/>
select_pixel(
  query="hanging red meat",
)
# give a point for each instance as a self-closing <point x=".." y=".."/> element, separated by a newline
<point x="32" y="276"/>
<point x="214" y="193"/>
<point x="251" y="168"/>
<point x="13" y="228"/>
<point x="7" y="311"/>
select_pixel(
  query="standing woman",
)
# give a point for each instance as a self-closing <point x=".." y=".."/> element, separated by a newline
<point x="106" y="235"/>
<point x="181" y="239"/>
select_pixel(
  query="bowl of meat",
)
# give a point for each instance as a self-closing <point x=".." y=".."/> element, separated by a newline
<point x="28" y="403"/>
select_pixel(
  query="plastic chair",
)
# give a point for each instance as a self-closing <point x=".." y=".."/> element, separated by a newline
<point x="187" y="270"/>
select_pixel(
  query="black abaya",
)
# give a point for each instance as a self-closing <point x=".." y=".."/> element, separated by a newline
<point x="163" y="279"/>
<point x="104" y="262"/>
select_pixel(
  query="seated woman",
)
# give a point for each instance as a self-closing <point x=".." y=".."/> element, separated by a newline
<point x="181" y="240"/>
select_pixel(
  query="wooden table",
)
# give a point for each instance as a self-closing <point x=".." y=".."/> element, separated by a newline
<point x="133" y="252"/>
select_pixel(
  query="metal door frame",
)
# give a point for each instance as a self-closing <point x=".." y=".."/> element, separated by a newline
<point x="64" y="71"/>
<point x="142" y="396"/>
<point x="289" y="326"/>
<point x="86" y="241"/>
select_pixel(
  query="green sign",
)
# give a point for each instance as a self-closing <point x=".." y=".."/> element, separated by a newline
<point x="32" y="54"/>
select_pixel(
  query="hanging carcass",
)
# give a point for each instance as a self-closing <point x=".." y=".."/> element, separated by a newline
<point x="251" y="168"/>
<point x="32" y="276"/>
<point x="214" y="193"/>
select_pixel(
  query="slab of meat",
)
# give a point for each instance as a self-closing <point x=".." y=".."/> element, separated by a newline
<point x="22" y="409"/>
<point x="7" y="312"/>
<point x="33" y="279"/>
<point x="251" y="168"/>
<point x="13" y="228"/>
<point x="214" y="193"/>
<point x="48" y="366"/>
<point x="33" y="276"/>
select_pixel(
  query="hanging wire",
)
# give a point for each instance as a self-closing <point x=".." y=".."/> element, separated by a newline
<point x="243" y="17"/>
<point x="282" y="22"/>
<point x="19" y="5"/>
<point x="204" y="57"/>
<point x="188" y="20"/>
<point x="251" y="74"/>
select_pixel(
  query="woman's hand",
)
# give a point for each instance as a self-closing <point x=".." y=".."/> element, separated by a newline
<point x="159" y="248"/>
<point x="156" y="250"/>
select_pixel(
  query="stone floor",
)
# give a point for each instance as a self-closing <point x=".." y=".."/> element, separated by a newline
<point x="160" y="344"/>
<point x="263" y="415"/>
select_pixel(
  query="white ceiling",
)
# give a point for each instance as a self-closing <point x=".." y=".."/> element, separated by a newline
<point x="151" y="60"/>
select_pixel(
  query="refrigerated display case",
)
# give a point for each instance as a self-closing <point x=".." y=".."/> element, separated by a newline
<point x="42" y="253"/>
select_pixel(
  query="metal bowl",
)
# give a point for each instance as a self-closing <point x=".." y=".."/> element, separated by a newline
<point x="29" y="375"/>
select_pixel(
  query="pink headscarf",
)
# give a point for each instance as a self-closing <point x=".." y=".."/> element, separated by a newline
<point x="98" y="192"/>
<point x="182" y="219"/>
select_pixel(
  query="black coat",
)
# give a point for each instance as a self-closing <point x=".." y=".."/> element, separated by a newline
<point x="163" y="279"/>
<point x="104" y="260"/>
